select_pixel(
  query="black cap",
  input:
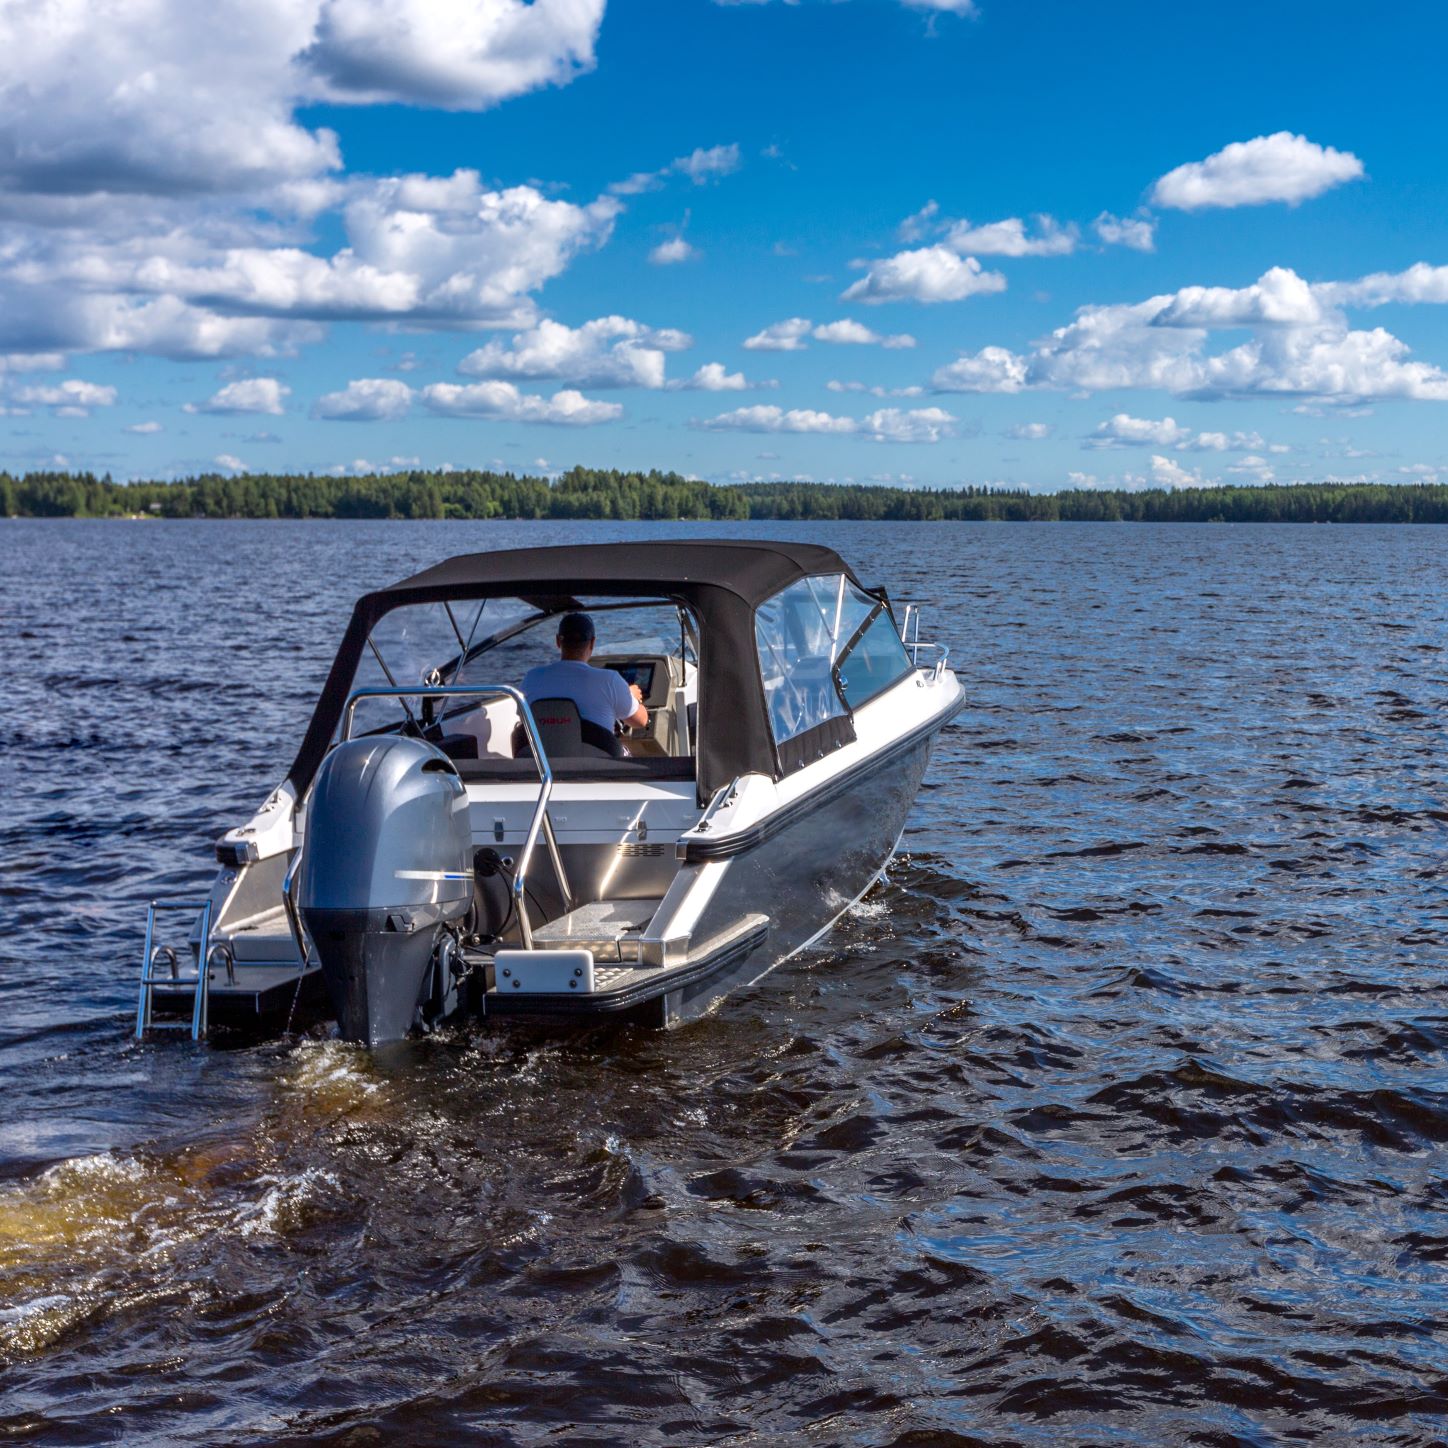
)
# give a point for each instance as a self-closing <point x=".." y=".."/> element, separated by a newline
<point x="576" y="628"/>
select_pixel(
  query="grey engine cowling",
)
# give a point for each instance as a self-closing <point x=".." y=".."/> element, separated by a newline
<point x="387" y="865"/>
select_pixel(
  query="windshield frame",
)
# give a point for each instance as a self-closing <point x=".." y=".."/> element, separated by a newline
<point x="689" y="628"/>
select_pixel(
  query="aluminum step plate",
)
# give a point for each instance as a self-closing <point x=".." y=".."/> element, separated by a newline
<point x="609" y="928"/>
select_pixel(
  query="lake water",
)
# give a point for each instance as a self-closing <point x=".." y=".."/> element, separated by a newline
<point x="1118" y="1116"/>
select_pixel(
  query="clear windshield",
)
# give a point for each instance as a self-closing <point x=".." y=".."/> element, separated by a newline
<point x="496" y="642"/>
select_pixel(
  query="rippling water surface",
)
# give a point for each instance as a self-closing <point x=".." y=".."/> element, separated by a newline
<point x="1118" y="1116"/>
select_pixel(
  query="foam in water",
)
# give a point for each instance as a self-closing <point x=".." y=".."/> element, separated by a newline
<point x="333" y="1067"/>
<point x="283" y="1205"/>
<point x="30" y="1326"/>
<point x="72" y="1202"/>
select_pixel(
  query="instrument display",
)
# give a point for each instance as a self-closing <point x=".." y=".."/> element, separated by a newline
<point x="637" y="672"/>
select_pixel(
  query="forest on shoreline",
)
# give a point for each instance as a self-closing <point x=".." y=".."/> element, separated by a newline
<point x="607" y="493"/>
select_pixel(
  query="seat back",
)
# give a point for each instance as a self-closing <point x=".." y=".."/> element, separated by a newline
<point x="566" y="734"/>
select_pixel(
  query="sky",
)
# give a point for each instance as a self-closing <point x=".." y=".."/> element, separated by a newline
<point x="1027" y="243"/>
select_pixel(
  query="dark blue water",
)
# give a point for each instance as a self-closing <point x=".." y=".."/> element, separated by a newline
<point x="1118" y="1116"/>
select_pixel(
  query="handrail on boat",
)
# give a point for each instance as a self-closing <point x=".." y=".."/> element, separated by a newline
<point x="911" y="618"/>
<point x="910" y="637"/>
<point x="294" y="919"/>
<point x="941" y="652"/>
<point x="540" y="820"/>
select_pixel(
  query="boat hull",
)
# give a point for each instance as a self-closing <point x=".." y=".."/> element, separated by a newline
<point x="803" y="871"/>
<point x="812" y="871"/>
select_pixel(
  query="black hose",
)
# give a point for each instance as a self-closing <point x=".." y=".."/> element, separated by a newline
<point x="494" y="862"/>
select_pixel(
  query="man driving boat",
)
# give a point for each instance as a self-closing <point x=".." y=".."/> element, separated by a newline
<point x="603" y="696"/>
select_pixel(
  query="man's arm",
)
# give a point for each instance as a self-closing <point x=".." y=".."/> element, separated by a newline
<point x="630" y="698"/>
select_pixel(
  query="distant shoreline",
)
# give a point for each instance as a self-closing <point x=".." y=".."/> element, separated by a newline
<point x="584" y="494"/>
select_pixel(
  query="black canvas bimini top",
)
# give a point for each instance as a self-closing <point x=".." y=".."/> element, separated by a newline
<point x="721" y="581"/>
<point x="752" y="571"/>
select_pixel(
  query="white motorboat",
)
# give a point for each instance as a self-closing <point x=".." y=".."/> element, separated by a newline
<point x="441" y="844"/>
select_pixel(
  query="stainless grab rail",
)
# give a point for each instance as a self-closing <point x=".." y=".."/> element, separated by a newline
<point x="289" y="903"/>
<point x="911" y="620"/>
<point x="910" y="637"/>
<point x="540" y="820"/>
<point x="941" y="652"/>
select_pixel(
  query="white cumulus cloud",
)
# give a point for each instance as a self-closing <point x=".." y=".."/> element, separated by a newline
<point x="169" y="97"/>
<point x="918" y="424"/>
<point x="606" y="352"/>
<point x="158" y="174"/>
<point x="875" y="390"/>
<point x="920" y="224"/>
<point x="715" y="377"/>
<point x="1279" y="167"/>
<point x="367" y="399"/>
<point x="1278" y="298"/>
<point x="362" y="467"/>
<point x="924" y="274"/>
<point x="1256" y="469"/>
<point x="458" y="54"/>
<point x="888" y="424"/>
<point x="1418" y="283"/>
<point x="792" y="335"/>
<point x="672" y="252"/>
<point x="503" y="402"/>
<point x="766" y="417"/>
<point x="251" y="394"/>
<point x="1123" y="430"/>
<point x="1138" y="233"/>
<point x="71" y="398"/>
<point x="992" y="369"/>
<point x="786" y="336"/>
<point x="1300" y="345"/>
<point x="420" y="249"/>
<point x="705" y="163"/>
<point x="1009" y="238"/>
<point x="1166" y="473"/>
<point x="850" y="333"/>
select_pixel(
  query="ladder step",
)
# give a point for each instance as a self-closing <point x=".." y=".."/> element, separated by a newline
<point x="198" y="984"/>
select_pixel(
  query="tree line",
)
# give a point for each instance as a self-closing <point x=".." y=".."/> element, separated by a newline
<point x="608" y="493"/>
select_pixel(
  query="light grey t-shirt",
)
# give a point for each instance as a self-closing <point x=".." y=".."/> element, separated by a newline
<point x="601" y="694"/>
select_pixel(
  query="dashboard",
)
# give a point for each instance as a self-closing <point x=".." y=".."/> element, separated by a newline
<point x="651" y="672"/>
<point x="637" y="671"/>
<point x="659" y="677"/>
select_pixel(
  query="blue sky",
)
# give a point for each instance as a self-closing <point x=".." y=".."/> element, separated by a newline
<point x="931" y="241"/>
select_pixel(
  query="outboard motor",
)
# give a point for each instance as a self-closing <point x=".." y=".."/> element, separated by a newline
<point x="387" y="868"/>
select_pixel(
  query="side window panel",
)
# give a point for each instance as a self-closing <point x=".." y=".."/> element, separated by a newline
<point x="801" y="633"/>
<point x="795" y="632"/>
<point x="877" y="660"/>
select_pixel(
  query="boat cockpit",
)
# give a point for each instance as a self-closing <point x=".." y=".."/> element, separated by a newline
<point x="653" y="643"/>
